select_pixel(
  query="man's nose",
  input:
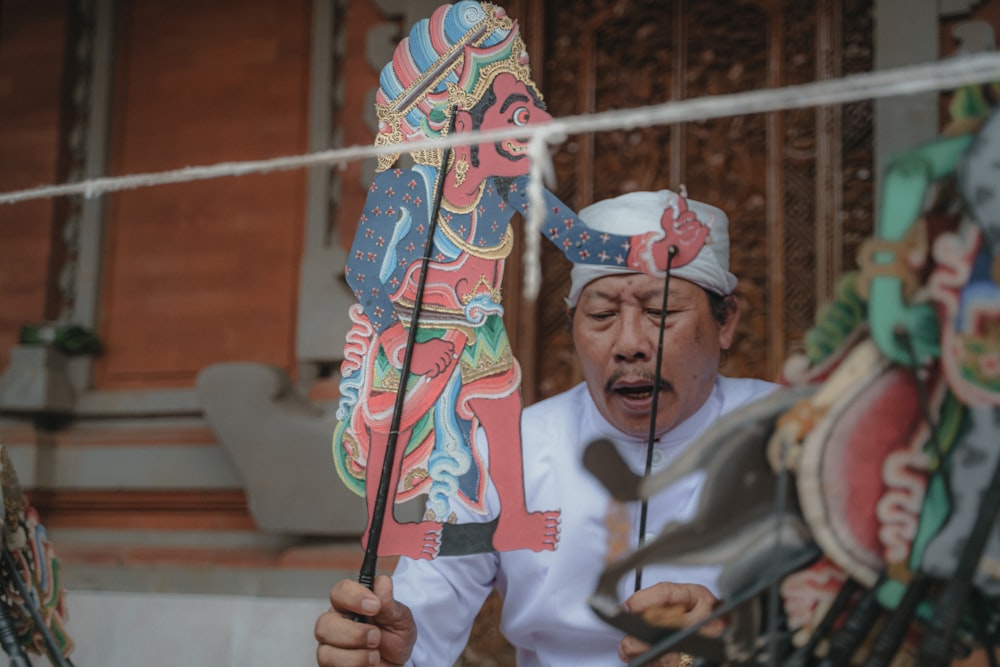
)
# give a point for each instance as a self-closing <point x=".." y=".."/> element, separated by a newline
<point x="632" y="342"/>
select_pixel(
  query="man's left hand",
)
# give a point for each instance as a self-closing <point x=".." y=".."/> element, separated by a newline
<point x="669" y="605"/>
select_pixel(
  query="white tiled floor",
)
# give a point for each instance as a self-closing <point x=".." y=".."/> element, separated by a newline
<point x="130" y="629"/>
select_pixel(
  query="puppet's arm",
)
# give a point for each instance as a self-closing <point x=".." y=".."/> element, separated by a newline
<point x="583" y="245"/>
<point x="391" y="234"/>
<point x="905" y="329"/>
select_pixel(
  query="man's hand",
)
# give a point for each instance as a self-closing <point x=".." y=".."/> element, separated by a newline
<point x="386" y="638"/>
<point x="669" y="605"/>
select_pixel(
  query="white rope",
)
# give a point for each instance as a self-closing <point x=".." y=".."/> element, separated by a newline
<point x="541" y="170"/>
<point x="942" y="75"/>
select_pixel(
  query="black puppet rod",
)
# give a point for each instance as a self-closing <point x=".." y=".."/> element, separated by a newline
<point x="644" y="507"/>
<point x="366" y="575"/>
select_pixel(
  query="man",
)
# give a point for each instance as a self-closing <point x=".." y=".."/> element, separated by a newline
<point x="424" y="614"/>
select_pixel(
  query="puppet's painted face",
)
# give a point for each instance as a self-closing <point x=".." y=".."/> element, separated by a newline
<point x="513" y="104"/>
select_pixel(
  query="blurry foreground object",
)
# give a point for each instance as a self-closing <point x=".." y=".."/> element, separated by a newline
<point x="854" y="512"/>
<point x="32" y="606"/>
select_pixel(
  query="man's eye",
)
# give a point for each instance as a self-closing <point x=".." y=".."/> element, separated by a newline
<point x="521" y="116"/>
<point x="600" y="316"/>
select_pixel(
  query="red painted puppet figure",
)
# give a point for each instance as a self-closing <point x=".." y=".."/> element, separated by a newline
<point x="467" y="62"/>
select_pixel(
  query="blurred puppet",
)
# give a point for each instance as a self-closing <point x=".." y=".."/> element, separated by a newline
<point x="32" y="603"/>
<point x="433" y="239"/>
<point x="870" y="488"/>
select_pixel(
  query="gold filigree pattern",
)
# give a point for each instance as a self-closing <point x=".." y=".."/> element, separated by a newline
<point x="500" y="251"/>
<point x="486" y="365"/>
<point x="487" y="286"/>
<point x="415" y="477"/>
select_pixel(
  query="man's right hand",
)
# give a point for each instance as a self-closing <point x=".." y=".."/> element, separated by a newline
<point x="386" y="638"/>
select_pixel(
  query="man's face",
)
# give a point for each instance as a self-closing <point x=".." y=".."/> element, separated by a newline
<point x="516" y="106"/>
<point x="616" y="332"/>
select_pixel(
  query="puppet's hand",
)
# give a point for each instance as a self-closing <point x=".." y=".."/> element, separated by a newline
<point x="681" y="234"/>
<point x="432" y="357"/>
<point x="683" y="230"/>
<point x="669" y="605"/>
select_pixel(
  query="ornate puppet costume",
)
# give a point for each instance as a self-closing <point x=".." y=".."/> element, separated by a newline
<point x="465" y="68"/>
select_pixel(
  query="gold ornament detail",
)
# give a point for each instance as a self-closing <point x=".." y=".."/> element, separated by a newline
<point x="461" y="169"/>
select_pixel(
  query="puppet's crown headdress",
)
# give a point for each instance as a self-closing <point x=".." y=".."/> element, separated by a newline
<point x="448" y="61"/>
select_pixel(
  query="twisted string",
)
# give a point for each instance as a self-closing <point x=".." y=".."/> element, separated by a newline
<point x="941" y="75"/>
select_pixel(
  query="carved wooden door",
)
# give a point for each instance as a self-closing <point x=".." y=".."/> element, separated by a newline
<point x="797" y="185"/>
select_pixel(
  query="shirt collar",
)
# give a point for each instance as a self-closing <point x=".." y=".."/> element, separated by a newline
<point x="670" y="443"/>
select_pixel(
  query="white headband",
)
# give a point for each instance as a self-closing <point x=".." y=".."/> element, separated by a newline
<point x="640" y="213"/>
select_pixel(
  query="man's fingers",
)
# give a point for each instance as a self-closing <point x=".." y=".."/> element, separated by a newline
<point x="350" y="597"/>
<point x="399" y="631"/>
<point x="630" y="647"/>
<point x="333" y="629"/>
<point x="386" y="636"/>
<point x="676" y="605"/>
<point x="344" y="643"/>
<point x="331" y="656"/>
<point x="391" y="613"/>
<point x="663" y="594"/>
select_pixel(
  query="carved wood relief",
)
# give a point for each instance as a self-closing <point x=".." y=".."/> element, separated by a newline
<point x="797" y="185"/>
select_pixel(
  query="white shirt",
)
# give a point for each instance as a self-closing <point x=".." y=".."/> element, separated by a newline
<point x="546" y="615"/>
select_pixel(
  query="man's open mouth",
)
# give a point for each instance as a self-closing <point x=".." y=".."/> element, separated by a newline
<point x="636" y="391"/>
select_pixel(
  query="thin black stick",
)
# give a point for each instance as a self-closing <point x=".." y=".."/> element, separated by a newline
<point x="935" y="649"/>
<point x="9" y="642"/>
<point x="644" y="508"/>
<point x="367" y="573"/>
<point x="34" y="609"/>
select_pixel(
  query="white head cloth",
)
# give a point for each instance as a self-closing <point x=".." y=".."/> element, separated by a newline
<point x="640" y="213"/>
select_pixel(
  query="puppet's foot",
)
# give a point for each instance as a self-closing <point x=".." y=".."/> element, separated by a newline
<point x="413" y="540"/>
<point x="538" y="531"/>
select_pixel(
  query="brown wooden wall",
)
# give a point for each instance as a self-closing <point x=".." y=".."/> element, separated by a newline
<point x="193" y="273"/>
<point x="797" y="186"/>
<point x="32" y="54"/>
<point x="204" y="272"/>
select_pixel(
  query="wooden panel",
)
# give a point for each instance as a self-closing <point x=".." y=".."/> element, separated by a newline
<point x="33" y="39"/>
<point x="204" y="272"/>
<point x="787" y="214"/>
<point x="726" y="160"/>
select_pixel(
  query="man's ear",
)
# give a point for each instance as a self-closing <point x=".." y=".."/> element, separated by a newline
<point x="728" y="329"/>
